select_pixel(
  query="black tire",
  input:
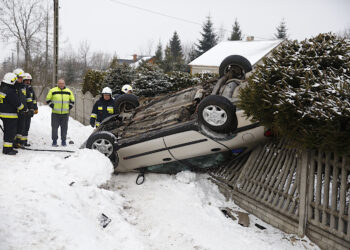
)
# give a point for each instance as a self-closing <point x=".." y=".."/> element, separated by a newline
<point x="221" y="105"/>
<point x="126" y="103"/>
<point x="237" y="60"/>
<point x="107" y="139"/>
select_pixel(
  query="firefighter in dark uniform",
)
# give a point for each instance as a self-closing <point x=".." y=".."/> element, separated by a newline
<point x="32" y="107"/>
<point x="10" y="106"/>
<point x="103" y="108"/>
<point x="21" y="91"/>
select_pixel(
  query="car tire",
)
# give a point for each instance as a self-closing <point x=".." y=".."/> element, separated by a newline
<point x="218" y="114"/>
<point x="126" y="103"/>
<point x="234" y="60"/>
<point x="104" y="142"/>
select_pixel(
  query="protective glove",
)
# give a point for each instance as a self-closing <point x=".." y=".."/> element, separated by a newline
<point x="22" y="112"/>
<point x="70" y="106"/>
<point x="92" y="122"/>
<point x="51" y="105"/>
<point x="31" y="112"/>
<point x="36" y="111"/>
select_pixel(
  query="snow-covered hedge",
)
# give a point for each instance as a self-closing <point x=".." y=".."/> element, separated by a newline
<point x="302" y="92"/>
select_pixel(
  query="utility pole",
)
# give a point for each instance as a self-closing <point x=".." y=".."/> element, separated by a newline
<point x="17" y="48"/>
<point x="47" y="45"/>
<point x="55" y="41"/>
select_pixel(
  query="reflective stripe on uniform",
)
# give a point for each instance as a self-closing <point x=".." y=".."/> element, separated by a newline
<point x="23" y="138"/>
<point x="100" y="108"/>
<point x="29" y="100"/>
<point x="20" y="107"/>
<point x="8" y="144"/>
<point x="60" y="102"/>
<point x="93" y="115"/>
<point x="97" y="124"/>
<point x="110" y="109"/>
<point x="60" y="109"/>
<point x="9" y="115"/>
<point x="2" y="95"/>
<point x="34" y="101"/>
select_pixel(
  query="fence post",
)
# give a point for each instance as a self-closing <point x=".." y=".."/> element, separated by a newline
<point x="75" y="105"/>
<point x="303" y="167"/>
<point x="83" y="110"/>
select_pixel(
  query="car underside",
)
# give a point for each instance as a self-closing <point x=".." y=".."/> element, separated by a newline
<point x="195" y="128"/>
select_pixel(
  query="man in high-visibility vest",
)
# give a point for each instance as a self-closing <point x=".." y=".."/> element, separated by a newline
<point x="61" y="100"/>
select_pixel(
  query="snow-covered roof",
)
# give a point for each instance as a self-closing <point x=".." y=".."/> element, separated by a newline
<point x="252" y="50"/>
<point x="138" y="62"/>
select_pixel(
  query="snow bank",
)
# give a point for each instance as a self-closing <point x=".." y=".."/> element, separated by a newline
<point x="55" y="201"/>
<point x="183" y="212"/>
<point x="48" y="201"/>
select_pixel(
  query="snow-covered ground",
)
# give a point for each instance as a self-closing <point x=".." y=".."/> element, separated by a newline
<point x="51" y="201"/>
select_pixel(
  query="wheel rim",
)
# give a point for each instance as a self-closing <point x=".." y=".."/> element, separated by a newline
<point x="104" y="146"/>
<point x="124" y="107"/>
<point x="214" y="115"/>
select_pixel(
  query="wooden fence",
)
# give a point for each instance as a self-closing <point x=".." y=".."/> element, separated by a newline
<point x="300" y="192"/>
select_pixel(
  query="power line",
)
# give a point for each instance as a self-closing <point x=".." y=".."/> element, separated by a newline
<point x="160" y="13"/>
<point x="155" y="12"/>
<point x="168" y="16"/>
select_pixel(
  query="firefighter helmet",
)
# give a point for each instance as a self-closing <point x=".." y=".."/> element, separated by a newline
<point x="106" y="90"/>
<point x="126" y="88"/>
<point x="10" y="78"/>
<point x="18" y="72"/>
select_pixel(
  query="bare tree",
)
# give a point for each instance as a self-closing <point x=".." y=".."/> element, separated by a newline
<point x="83" y="53"/>
<point x="100" y="60"/>
<point x="147" y="49"/>
<point x="346" y="33"/>
<point x="22" y="21"/>
<point x="189" y="51"/>
<point x="221" y="33"/>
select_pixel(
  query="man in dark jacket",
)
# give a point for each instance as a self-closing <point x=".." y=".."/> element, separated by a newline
<point x="32" y="107"/>
<point x="21" y="91"/>
<point x="10" y="106"/>
<point x="103" y="108"/>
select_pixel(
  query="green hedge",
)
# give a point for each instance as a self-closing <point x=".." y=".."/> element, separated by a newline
<point x="93" y="81"/>
<point x="302" y="92"/>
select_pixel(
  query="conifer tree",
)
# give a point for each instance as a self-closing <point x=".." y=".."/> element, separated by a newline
<point x="209" y="38"/>
<point x="236" y="32"/>
<point x="158" y="58"/>
<point x="167" y="64"/>
<point x="281" y="30"/>
<point x="117" y="76"/>
<point x="174" y="58"/>
<point x="114" y="62"/>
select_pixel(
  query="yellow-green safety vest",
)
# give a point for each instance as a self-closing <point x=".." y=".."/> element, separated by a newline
<point x="61" y="98"/>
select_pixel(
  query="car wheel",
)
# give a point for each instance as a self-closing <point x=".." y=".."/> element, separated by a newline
<point x="234" y="60"/>
<point x="218" y="114"/>
<point x="104" y="142"/>
<point x="126" y="103"/>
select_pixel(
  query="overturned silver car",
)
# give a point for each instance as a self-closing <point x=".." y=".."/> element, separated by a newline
<point x="193" y="129"/>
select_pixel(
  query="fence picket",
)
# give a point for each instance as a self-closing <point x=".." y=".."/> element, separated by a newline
<point x="326" y="190"/>
<point x="318" y="187"/>
<point x="334" y="190"/>
<point x="342" y="197"/>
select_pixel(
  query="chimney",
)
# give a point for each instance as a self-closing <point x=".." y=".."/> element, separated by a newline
<point x="250" y="38"/>
<point x="134" y="57"/>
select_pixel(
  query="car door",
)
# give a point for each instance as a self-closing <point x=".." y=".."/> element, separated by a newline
<point x="191" y="144"/>
<point x="143" y="154"/>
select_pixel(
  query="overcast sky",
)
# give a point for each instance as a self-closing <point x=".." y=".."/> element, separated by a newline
<point x="113" y="27"/>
